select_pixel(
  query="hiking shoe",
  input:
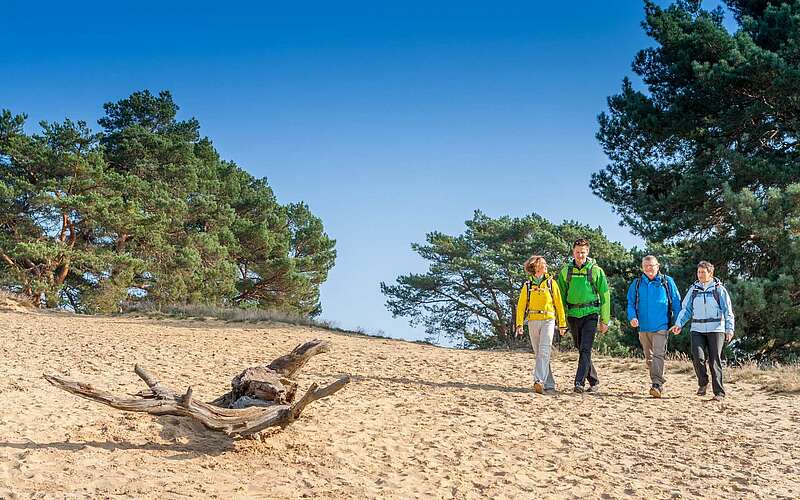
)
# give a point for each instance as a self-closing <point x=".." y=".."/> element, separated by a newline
<point x="579" y="389"/>
<point x="655" y="391"/>
<point x="538" y="387"/>
<point x="550" y="392"/>
<point x="594" y="388"/>
<point x="701" y="391"/>
<point x="719" y="397"/>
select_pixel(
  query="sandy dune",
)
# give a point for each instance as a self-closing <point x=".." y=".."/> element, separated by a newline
<point x="416" y="421"/>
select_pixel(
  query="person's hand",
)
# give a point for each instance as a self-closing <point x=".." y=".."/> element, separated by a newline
<point x="675" y="329"/>
<point x="562" y="330"/>
<point x="728" y="336"/>
<point x="603" y="327"/>
<point x="635" y="323"/>
<point x="519" y="331"/>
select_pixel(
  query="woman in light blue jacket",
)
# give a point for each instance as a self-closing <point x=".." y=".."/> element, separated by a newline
<point x="708" y="305"/>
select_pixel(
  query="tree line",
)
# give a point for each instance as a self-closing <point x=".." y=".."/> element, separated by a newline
<point x="704" y="164"/>
<point x="146" y="209"/>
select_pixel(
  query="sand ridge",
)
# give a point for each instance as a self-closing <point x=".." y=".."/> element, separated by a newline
<point x="416" y="421"/>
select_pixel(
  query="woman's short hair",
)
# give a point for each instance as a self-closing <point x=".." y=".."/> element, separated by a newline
<point x="708" y="266"/>
<point x="530" y="264"/>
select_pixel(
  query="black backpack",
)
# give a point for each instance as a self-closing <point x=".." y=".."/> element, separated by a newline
<point x="715" y="292"/>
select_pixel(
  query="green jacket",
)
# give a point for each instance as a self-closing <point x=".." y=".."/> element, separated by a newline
<point x="581" y="292"/>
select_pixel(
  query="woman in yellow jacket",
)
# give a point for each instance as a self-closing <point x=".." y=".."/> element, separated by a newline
<point x="537" y="306"/>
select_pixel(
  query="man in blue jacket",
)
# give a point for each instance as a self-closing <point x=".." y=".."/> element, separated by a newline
<point x="653" y="305"/>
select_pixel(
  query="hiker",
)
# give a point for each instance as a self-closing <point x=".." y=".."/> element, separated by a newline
<point x="540" y="305"/>
<point x="585" y="296"/>
<point x="708" y="305"/>
<point x="653" y="303"/>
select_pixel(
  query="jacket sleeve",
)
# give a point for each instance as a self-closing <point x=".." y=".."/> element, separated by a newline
<point x="605" y="297"/>
<point x="676" y="298"/>
<point x="523" y="297"/>
<point x="561" y="320"/>
<point x="727" y="309"/>
<point x="632" y="301"/>
<point x="686" y="309"/>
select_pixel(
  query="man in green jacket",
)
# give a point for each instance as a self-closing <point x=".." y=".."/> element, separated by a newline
<point x="586" y="298"/>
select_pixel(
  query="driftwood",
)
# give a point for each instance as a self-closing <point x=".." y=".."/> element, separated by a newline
<point x="260" y="397"/>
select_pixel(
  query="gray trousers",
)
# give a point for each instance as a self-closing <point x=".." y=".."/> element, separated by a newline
<point x="654" y="345"/>
<point x="708" y="346"/>
<point x="541" y="335"/>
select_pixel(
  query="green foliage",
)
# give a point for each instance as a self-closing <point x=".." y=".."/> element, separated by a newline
<point x="704" y="163"/>
<point x="471" y="288"/>
<point x="617" y="341"/>
<point x="148" y="209"/>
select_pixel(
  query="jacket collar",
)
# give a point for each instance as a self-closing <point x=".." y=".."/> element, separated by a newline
<point x="657" y="279"/>
<point x="589" y="263"/>
<point x="705" y="287"/>
<point x="534" y="279"/>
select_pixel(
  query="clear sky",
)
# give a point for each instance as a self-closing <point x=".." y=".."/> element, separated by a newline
<point x="390" y="119"/>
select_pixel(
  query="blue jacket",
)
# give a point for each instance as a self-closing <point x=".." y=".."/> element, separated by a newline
<point x="706" y="315"/>
<point x="653" y="304"/>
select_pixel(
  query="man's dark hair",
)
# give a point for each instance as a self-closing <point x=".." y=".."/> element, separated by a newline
<point x="581" y="242"/>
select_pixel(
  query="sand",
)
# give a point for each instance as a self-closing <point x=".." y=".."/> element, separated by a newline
<point x="416" y="422"/>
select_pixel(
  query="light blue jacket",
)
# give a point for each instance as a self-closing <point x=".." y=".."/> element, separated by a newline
<point x="706" y="315"/>
<point x="653" y="303"/>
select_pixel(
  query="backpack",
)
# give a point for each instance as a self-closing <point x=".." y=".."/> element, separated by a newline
<point x="528" y="285"/>
<point x="638" y="281"/>
<point x="715" y="292"/>
<point x="596" y="303"/>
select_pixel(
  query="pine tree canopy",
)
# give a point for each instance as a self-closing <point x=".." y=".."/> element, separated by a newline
<point x="147" y="210"/>
<point x="471" y="288"/>
<point x="705" y="157"/>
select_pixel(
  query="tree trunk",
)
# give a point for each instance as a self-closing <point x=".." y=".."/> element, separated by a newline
<point x="261" y="396"/>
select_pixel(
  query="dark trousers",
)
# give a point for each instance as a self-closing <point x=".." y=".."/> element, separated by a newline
<point x="583" y="331"/>
<point x="707" y="347"/>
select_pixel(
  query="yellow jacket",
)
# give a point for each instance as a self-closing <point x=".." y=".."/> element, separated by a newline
<point x="541" y="306"/>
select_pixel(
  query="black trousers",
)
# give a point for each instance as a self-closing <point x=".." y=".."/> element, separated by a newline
<point x="583" y="331"/>
<point x="707" y="348"/>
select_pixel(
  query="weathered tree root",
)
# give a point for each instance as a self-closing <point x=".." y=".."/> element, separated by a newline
<point x="264" y="395"/>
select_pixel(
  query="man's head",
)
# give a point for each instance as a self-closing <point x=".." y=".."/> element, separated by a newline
<point x="705" y="271"/>
<point x="650" y="266"/>
<point x="580" y="250"/>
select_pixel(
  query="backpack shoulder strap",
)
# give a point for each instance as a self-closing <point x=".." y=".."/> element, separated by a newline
<point x="665" y="284"/>
<point x="550" y="287"/>
<point x="636" y="283"/>
<point x="569" y="280"/>
<point x="527" y="286"/>
<point x="716" y="292"/>
<point x="590" y="279"/>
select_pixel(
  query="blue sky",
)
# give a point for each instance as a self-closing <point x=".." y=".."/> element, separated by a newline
<point x="389" y="119"/>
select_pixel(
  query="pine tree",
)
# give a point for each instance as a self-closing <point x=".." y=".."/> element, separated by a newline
<point x="147" y="209"/>
<point x="471" y="289"/>
<point x="706" y="159"/>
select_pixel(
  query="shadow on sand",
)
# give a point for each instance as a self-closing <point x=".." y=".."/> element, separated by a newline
<point x="446" y="385"/>
<point x="189" y="440"/>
